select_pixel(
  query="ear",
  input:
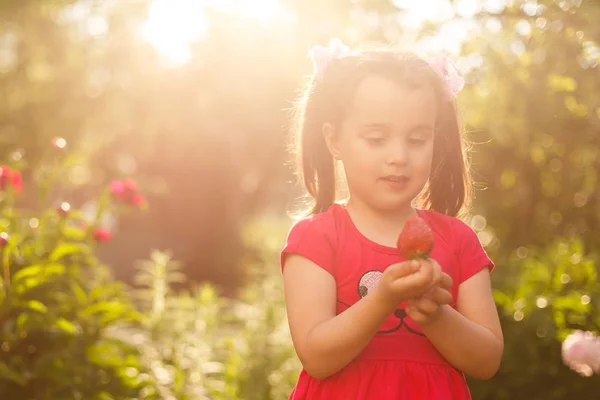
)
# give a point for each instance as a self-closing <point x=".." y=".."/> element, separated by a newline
<point x="331" y="139"/>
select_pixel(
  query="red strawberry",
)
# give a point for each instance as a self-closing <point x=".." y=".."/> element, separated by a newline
<point x="416" y="239"/>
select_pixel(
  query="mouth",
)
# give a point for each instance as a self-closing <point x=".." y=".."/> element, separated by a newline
<point x="395" y="178"/>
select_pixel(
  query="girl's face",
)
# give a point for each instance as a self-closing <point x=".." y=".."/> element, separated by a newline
<point x="385" y="143"/>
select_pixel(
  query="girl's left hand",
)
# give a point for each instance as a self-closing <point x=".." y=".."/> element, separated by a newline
<point x="423" y="310"/>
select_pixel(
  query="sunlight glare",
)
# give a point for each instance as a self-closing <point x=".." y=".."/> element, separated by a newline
<point x="262" y="10"/>
<point x="468" y="8"/>
<point x="172" y="25"/>
<point x="417" y="12"/>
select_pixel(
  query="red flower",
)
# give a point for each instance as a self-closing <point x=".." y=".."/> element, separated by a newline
<point x="138" y="200"/>
<point x="102" y="235"/>
<point x="4" y="238"/>
<point x="127" y="192"/>
<point x="10" y="177"/>
<point x="17" y="181"/>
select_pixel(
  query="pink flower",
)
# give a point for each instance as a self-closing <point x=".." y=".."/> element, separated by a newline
<point x="581" y="352"/>
<point x="447" y="69"/>
<point x="10" y="177"/>
<point x="102" y="235"/>
<point x="126" y="191"/>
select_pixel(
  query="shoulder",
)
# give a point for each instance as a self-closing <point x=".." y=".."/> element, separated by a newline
<point x="463" y="239"/>
<point x="314" y="237"/>
<point x="456" y="232"/>
<point x="324" y="223"/>
<point x="446" y="225"/>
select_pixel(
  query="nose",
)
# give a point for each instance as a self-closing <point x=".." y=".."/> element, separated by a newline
<point x="398" y="153"/>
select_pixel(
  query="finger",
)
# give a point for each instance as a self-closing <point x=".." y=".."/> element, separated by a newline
<point x="426" y="306"/>
<point x="425" y="273"/>
<point x="446" y="281"/>
<point x="416" y="284"/>
<point x="437" y="272"/>
<point x="440" y="296"/>
<point x="417" y="316"/>
<point x="403" y="269"/>
<point x="413" y="285"/>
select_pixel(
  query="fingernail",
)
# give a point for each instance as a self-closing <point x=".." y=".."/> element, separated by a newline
<point x="415" y="264"/>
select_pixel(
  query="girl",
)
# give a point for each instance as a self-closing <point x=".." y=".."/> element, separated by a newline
<point x="365" y="323"/>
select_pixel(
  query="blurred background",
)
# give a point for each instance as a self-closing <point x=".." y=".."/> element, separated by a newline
<point x="191" y="99"/>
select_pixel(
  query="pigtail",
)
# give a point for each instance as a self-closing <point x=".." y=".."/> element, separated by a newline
<point x="449" y="187"/>
<point x="315" y="164"/>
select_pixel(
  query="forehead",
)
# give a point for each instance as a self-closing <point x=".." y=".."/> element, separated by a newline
<point x="380" y="100"/>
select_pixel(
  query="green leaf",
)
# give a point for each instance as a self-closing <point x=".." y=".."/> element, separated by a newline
<point x="104" y="396"/>
<point x="29" y="283"/>
<point x="103" y="307"/>
<point x="571" y="302"/>
<point x="502" y="299"/>
<point x="36" y="270"/>
<point x="79" y="293"/>
<point x="66" y="249"/>
<point x="105" y="354"/>
<point x="74" y="233"/>
<point x="22" y="321"/>
<point x="65" y="326"/>
<point x="7" y="373"/>
<point x="36" y="306"/>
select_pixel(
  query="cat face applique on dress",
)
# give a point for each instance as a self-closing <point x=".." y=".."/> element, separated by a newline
<point x="367" y="283"/>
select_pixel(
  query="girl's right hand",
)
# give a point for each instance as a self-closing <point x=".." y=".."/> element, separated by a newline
<point x="406" y="280"/>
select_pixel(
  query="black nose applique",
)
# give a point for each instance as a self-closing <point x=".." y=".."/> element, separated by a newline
<point x="363" y="290"/>
<point x="400" y="313"/>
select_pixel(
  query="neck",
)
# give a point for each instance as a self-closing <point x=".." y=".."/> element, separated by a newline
<point x="382" y="226"/>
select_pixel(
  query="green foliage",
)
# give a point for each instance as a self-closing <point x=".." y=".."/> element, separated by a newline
<point x="549" y="292"/>
<point x="57" y="302"/>
<point x="202" y="345"/>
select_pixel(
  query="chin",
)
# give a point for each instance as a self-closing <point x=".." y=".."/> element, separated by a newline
<point x="396" y="203"/>
<point x="392" y="206"/>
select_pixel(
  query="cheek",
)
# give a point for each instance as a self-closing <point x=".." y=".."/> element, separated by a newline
<point x="359" y="156"/>
<point x="423" y="159"/>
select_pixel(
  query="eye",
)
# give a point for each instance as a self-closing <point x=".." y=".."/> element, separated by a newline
<point x="375" y="140"/>
<point x="418" y="139"/>
<point x="376" y="134"/>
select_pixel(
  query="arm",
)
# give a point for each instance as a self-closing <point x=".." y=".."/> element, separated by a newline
<point x="470" y="337"/>
<point x="326" y="342"/>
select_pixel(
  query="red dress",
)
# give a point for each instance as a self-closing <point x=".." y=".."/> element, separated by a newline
<point x="399" y="363"/>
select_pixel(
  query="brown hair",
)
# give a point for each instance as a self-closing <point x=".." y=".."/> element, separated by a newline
<point x="327" y="99"/>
